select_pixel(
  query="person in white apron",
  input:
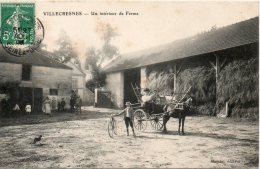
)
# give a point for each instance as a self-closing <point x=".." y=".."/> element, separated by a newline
<point x="46" y="107"/>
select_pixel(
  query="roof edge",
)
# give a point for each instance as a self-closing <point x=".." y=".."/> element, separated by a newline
<point x="65" y="66"/>
<point x="114" y="71"/>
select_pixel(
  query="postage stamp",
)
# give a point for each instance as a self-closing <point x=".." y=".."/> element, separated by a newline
<point x="17" y="23"/>
<point x="21" y="32"/>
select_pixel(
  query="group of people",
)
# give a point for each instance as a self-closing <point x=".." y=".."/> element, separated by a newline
<point x="11" y="108"/>
<point x="47" y="108"/>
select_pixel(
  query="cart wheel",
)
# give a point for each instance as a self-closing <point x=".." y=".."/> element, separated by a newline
<point x="112" y="127"/>
<point x="156" y="122"/>
<point x="140" y="120"/>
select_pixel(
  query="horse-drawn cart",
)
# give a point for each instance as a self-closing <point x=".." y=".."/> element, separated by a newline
<point x="152" y="110"/>
<point x="142" y="117"/>
<point x="146" y="110"/>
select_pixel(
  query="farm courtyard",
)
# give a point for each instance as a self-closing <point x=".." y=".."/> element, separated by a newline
<point x="81" y="141"/>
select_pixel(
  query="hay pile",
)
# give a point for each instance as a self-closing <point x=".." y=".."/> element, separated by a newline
<point x="203" y="91"/>
<point x="238" y="84"/>
<point x="201" y="78"/>
<point x="160" y="78"/>
<point x="162" y="82"/>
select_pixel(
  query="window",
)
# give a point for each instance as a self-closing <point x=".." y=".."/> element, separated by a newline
<point x="26" y="72"/>
<point x="53" y="91"/>
<point x="74" y="83"/>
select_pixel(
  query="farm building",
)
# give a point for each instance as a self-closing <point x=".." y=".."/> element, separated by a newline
<point x="30" y="78"/>
<point x="221" y="65"/>
<point x="78" y="84"/>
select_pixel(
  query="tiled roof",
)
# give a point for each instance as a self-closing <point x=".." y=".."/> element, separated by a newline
<point x="35" y="58"/>
<point x="230" y="36"/>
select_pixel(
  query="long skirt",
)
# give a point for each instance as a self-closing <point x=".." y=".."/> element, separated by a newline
<point x="46" y="108"/>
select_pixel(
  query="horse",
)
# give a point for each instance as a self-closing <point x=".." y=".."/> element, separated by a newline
<point x="171" y="110"/>
<point x="75" y="104"/>
<point x="78" y="104"/>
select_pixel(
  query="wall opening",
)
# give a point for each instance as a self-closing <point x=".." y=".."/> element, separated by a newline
<point x="131" y="76"/>
<point x="38" y="98"/>
<point x="25" y="96"/>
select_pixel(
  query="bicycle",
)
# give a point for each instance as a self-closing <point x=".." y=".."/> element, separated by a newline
<point x="112" y="127"/>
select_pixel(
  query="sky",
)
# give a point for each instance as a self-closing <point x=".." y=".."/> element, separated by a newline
<point x="156" y="23"/>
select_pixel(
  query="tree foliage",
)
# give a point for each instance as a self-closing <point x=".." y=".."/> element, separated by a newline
<point x="65" y="51"/>
<point x="95" y="58"/>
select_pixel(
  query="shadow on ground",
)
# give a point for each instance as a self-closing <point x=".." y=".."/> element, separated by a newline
<point x="55" y="117"/>
<point x="199" y="134"/>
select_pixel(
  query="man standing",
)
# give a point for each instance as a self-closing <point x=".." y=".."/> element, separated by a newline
<point x="62" y="104"/>
<point x="128" y="117"/>
<point x="73" y="98"/>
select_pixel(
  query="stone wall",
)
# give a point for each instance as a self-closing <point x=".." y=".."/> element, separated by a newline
<point x="10" y="72"/>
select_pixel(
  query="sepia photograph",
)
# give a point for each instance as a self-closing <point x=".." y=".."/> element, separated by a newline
<point x="129" y="84"/>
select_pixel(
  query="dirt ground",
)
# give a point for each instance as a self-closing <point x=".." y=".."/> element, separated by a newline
<point x="81" y="141"/>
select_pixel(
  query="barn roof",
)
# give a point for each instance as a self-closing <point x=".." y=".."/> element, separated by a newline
<point x="35" y="58"/>
<point x="230" y="36"/>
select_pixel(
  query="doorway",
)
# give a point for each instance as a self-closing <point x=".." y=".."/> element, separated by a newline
<point x="25" y="96"/>
<point x="38" y="98"/>
<point x="131" y="76"/>
<point x="32" y="96"/>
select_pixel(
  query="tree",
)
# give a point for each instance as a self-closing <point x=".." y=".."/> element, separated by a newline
<point x="108" y="51"/>
<point x="92" y="59"/>
<point x="65" y="51"/>
<point x="95" y="58"/>
<point x="93" y="65"/>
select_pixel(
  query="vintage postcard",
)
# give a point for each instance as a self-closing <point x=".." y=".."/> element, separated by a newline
<point x="129" y="84"/>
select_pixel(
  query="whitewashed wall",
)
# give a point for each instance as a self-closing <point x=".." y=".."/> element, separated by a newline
<point x="46" y="77"/>
<point x="115" y="84"/>
<point x="53" y="78"/>
<point x="143" y="77"/>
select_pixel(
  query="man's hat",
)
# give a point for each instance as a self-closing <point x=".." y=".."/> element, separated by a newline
<point x="128" y="103"/>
